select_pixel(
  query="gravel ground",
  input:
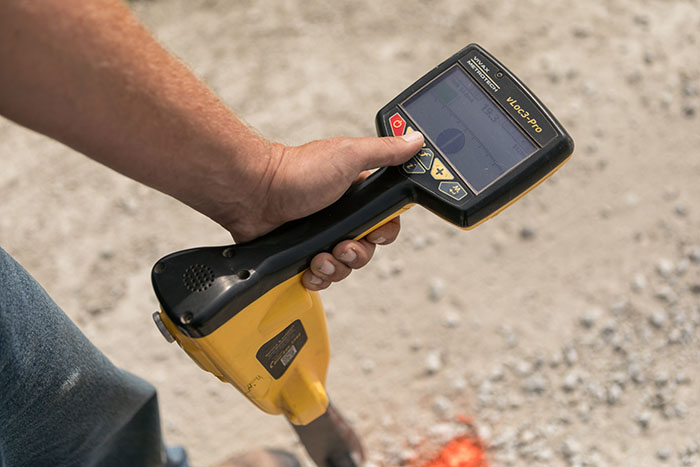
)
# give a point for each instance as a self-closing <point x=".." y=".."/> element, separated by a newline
<point x="565" y="332"/>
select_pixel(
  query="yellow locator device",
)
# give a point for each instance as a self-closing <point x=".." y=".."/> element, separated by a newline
<point x="241" y="312"/>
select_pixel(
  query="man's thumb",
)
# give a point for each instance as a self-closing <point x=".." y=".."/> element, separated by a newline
<point x="390" y="150"/>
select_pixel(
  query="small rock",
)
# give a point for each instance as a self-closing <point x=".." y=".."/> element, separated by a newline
<point x="619" y="378"/>
<point x="442" y="406"/>
<point x="649" y="57"/>
<point x="663" y="454"/>
<point x="614" y="393"/>
<point x="543" y="455"/>
<point x="620" y="307"/>
<point x="681" y="210"/>
<point x="570" y="356"/>
<point x="436" y="289"/>
<point x="451" y="319"/>
<point x="433" y="362"/>
<point x="675" y="336"/>
<point x="639" y="282"/>
<point x="527" y="233"/>
<point x="555" y="360"/>
<point x="631" y="200"/>
<point x="641" y="20"/>
<point x="643" y="419"/>
<point x="523" y="368"/>
<point x="664" y="268"/>
<point x="497" y="374"/>
<point x="443" y="431"/>
<point x="526" y="437"/>
<point x="406" y="456"/>
<point x="661" y="379"/>
<point x="658" y="319"/>
<point x="670" y="193"/>
<point x="597" y="391"/>
<point x="590" y="317"/>
<point x="419" y="242"/>
<point x="368" y="366"/>
<point x="584" y="411"/>
<point x="681" y="410"/>
<point x="535" y="384"/>
<point x="515" y="401"/>
<point x="459" y="385"/>
<point x="609" y="329"/>
<point x="636" y="373"/>
<point x="682" y="378"/>
<point x="571" y="381"/>
<point x="570" y="448"/>
<point x="414" y="440"/>
<point x="682" y="266"/>
<point x="694" y="254"/>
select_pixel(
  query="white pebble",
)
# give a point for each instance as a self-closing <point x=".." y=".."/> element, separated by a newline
<point x="535" y="384"/>
<point x="639" y="282"/>
<point x="658" y="319"/>
<point x="368" y="366"/>
<point x="571" y="381"/>
<point x="664" y="268"/>
<point x="614" y="393"/>
<point x="451" y="319"/>
<point x="590" y="317"/>
<point x="436" y="289"/>
<point x="570" y="356"/>
<point x="523" y="368"/>
<point x="694" y="254"/>
<point x="665" y="294"/>
<point x="442" y="406"/>
<point x="663" y="454"/>
<point x="459" y="385"/>
<point x="643" y="419"/>
<point x="433" y="362"/>
<point x="570" y="447"/>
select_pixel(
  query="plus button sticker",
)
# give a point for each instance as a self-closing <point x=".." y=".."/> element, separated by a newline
<point x="440" y="172"/>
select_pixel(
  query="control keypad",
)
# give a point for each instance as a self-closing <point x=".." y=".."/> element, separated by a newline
<point x="427" y="168"/>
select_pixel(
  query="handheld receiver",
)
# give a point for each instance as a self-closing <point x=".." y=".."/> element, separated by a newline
<point x="241" y="312"/>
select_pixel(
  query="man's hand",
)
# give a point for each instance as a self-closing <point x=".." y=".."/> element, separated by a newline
<point x="302" y="180"/>
<point x="89" y="75"/>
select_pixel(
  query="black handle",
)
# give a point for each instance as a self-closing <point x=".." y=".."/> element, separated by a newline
<point x="234" y="276"/>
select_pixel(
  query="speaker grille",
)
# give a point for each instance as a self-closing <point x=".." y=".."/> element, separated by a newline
<point x="198" y="278"/>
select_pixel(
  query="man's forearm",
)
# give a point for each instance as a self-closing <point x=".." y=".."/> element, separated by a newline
<point x="89" y="75"/>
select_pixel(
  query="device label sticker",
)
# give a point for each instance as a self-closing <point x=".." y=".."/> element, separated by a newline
<point x="279" y="352"/>
<point x="508" y="95"/>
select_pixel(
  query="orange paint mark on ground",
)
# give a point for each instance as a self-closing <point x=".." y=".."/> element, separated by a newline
<point x="460" y="452"/>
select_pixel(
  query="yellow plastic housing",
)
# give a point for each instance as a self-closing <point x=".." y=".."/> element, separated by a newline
<point x="229" y="352"/>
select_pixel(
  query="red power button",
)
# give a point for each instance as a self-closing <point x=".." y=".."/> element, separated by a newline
<point x="398" y="124"/>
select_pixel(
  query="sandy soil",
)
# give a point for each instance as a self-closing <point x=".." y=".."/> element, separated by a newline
<point x="568" y="327"/>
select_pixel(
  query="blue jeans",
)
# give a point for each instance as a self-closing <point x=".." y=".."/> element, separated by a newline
<point x="62" y="402"/>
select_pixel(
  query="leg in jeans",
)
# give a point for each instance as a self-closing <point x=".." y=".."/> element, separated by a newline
<point x="62" y="403"/>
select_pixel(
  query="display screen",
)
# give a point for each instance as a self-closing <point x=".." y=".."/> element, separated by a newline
<point x="476" y="136"/>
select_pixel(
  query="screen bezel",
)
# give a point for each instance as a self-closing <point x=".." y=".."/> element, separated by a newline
<point x="494" y="102"/>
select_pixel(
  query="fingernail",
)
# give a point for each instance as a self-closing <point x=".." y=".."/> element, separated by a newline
<point x="412" y="136"/>
<point x="327" y="268"/>
<point x="379" y="240"/>
<point x="315" y="280"/>
<point x="349" y="256"/>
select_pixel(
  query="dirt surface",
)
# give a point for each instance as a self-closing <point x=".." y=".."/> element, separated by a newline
<point x="568" y="327"/>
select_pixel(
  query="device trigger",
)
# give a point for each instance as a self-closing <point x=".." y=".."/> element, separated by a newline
<point x="161" y="327"/>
